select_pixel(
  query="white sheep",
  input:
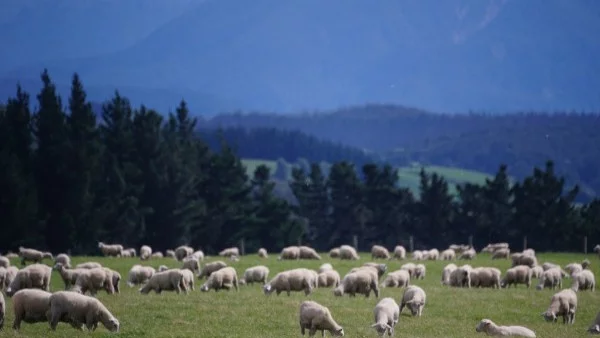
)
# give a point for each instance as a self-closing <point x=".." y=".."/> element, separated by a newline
<point x="139" y="274"/>
<point x="362" y="281"/>
<point x="290" y="252"/>
<point x="230" y="252"/>
<point x="387" y="314"/>
<point x="410" y="267"/>
<point x="595" y="327"/>
<point x="414" y="297"/>
<point x="334" y="253"/>
<point x="485" y="277"/>
<point x="225" y="278"/>
<point x="399" y="252"/>
<point x="502" y="253"/>
<point x="188" y="280"/>
<point x="448" y="255"/>
<point x="157" y="255"/>
<point x="348" y="252"/>
<point x="8" y="275"/>
<point x="255" y="274"/>
<point x="88" y="265"/>
<point x="519" y="258"/>
<point x="548" y="265"/>
<point x="563" y="303"/>
<point x="378" y="251"/>
<point x="36" y="276"/>
<point x="33" y="306"/>
<point x="446" y="272"/>
<point x="324" y="267"/>
<point x="551" y="278"/>
<point x="32" y="255"/>
<point x="597" y="249"/>
<point x="489" y="327"/>
<point x="433" y="254"/>
<point x="209" y="268"/>
<point x="110" y="250"/>
<point x="191" y="263"/>
<point x="420" y="271"/>
<point x="314" y="317"/>
<point x="145" y="252"/>
<point x="2" y="310"/>
<point x="573" y="268"/>
<point x="417" y="255"/>
<point x="493" y="247"/>
<point x="308" y="253"/>
<point x="170" y="254"/>
<point x="182" y="252"/>
<point x="198" y="255"/>
<point x="4" y="262"/>
<point x="468" y="254"/>
<point x="583" y="280"/>
<point x="459" y="248"/>
<point x="329" y="278"/>
<point x="396" y="279"/>
<point x="69" y="276"/>
<point x="262" y="253"/>
<point x="162" y="268"/>
<point x="132" y="252"/>
<point x="93" y="280"/>
<point x="11" y="255"/>
<point x="300" y="279"/>
<point x="81" y="309"/>
<point x="520" y="274"/>
<point x="529" y="252"/>
<point x="537" y="271"/>
<point x="461" y="277"/>
<point x="63" y="259"/>
<point x="168" y="280"/>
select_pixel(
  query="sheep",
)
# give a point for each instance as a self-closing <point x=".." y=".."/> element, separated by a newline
<point x="110" y="250"/>
<point x="595" y="327"/>
<point x="583" y="280"/>
<point x="396" y="279"/>
<point x="596" y="249"/>
<point x="414" y="297"/>
<point x="502" y="253"/>
<point x="187" y="280"/>
<point x="468" y="254"/>
<point x="548" y="265"/>
<point x="573" y="268"/>
<point x="191" y="263"/>
<point x="448" y="255"/>
<point x="519" y="258"/>
<point x="485" y="277"/>
<point x="417" y="255"/>
<point x="447" y="272"/>
<point x="229" y="252"/>
<point x="4" y="262"/>
<point x="132" y="252"/>
<point x="69" y="276"/>
<point x="334" y="253"/>
<point x="145" y="252"/>
<point x="563" y="303"/>
<point x="410" y="267"/>
<point x="420" y="271"/>
<point x="433" y="255"/>
<point x="489" y="327"/>
<point x="387" y="314"/>
<point x="262" y="253"/>
<point x="520" y="274"/>
<point x="162" y="268"/>
<point x="585" y="264"/>
<point x="93" y="280"/>
<point x="170" y="254"/>
<point x="493" y="247"/>
<point x="32" y="255"/>
<point x="182" y="252"/>
<point x="2" y="310"/>
<point x="381" y="268"/>
<point x="225" y="278"/>
<point x="81" y="309"/>
<point x="537" y="271"/>
<point x="255" y="274"/>
<point x="11" y="255"/>
<point x="290" y="252"/>
<point x="157" y="255"/>
<point x="198" y="255"/>
<point x="461" y="277"/>
<point x="348" y="253"/>
<point x="528" y="252"/>
<point x="329" y="278"/>
<point x="33" y="306"/>
<point x="115" y="277"/>
<point x="362" y="281"/>
<point x="88" y="265"/>
<point x="324" y="267"/>
<point x="139" y="274"/>
<point x="300" y="279"/>
<point x="126" y="253"/>
<point x="377" y="251"/>
<point x="314" y="316"/>
<point x="551" y="278"/>
<point x="9" y="275"/>
<point x="459" y="248"/>
<point x="399" y="252"/>
<point x="308" y="253"/>
<point x="209" y="268"/>
<point x="169" y="280"/>
<point x="35" y="276"/>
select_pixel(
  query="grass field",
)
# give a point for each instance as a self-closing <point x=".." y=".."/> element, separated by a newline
<point x="449" y="312"/>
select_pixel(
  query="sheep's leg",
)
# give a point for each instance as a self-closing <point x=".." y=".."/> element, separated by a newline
<point x="54" y="319"/>
<point x="17" y="322"/>
<point x="302" y="329"/>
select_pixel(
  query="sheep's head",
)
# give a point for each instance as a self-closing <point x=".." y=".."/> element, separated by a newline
<point x="594" y="329"/>
<point x="204" y="287"/>
<point x="483" y="325"/>
<point x="549" y="316"/>
<point x="338" y="333"/>
<point x="585" y="263"/>
<point x="100" y="245"/>
<point x="597" y="248"/>
<point x="111" y="323"/>
<point x="339" y="291"/>
<point x="268" y="289"/>
<point x="414" y="306"/>
<point x="382" y="328"/>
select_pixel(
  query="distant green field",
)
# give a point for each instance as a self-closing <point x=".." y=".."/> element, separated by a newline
<point x="449" y="312"/>
<point x="408" y="177"/>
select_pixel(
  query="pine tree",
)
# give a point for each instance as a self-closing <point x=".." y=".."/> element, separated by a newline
<point x="498" y="209"/>
<point x="348" y="214"/>
<point x="435" y="209"/>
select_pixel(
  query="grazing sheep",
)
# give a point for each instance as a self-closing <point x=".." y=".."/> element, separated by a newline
<point x="324" y="267"/>
<point x="537" y="271"/>
<point x="348" y="253"/>
<point x="381" y="268"/>
<point x="448" y="255"/>
<point x="2" y="311"/>
<point x="519" y="258"/>
<point x="131" y="251"/>
<point x="595" y="327"/>
<point x="420" y="271"/>
<point x="468" y="254"/>
<point x="169" y="280"/>
<point x="528" y="252"/>
<point x="80" y="309"/>
<point x="585" y="264"/>
<point x="308" y="253"/>
<point x="396" y="279"/>
<point x="170" y="254"/>
<point x="548" y="265"/>
<point x="63" y="259"/>
<point x="35" y="276"/>
<point x="551" y="278"/>
<point x="69" y="276"/>
<point x="329" y="278"/>
<point x="191" y="263"/>
<point x="563" y="303"/>
<point x="334" y="253"/>
<point x="93" y="280"/>
<point x="520" y="274"/>
<point x="255" y="274"/>
<point x="32" y="255"/>
<point x="33" y="306"/>
<point x="573" y="268"/>
<point x="157" y="255"/>
<point x="230" y="252"/>
<point x="399" y="252"/>
<point x="447" y="272"/>
<point x="110" y="250"/>
<point x="126" y="253"/>
<point x="11" y="255"/>
<point x="290" y="252"/>
<point x="145" y="252"/>
<point x="162" y="268"/>
<point x="583" y="280"/>
<point x="115" y="277"/>
<point x="9" y="275"/>
<point x="139" y="274"/>
<point x="182" y="252"/>
<point x="225" y="278"/>
<point x="377" y="251"/>
<point x="88" y="265"/>
<point x="489" y="327"/>
<point x="485" y="277"/>
<point x="414" y="297"/>
<point x="187" y="280"/>
<point x="410" y="267"/>
<point x="493" y="247"/>
<point x="461" y="277"/>
<point x="198" y="255"/>
<point x="314" y="316"/>
<point x="502" y="253"/>
<point x="387" y="314"/>
<point x="362" y="282"/>
<point x="433" y="255"/>
<point x="262" y="253"/>
<point x="4" y="262"/>
<point x="417" y="255"/>
<point x="209" y="268"/>
<point x="300" y="279"/>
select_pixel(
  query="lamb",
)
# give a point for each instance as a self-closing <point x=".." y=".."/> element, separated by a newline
<point x="551" y="278"/>
<point x="595" y="327"/>
<point x="188" y="280"/>
<point x="334" y="253"/>
<point x="417" y="255"/>
<point x="308" y="253"/>
<point x="399" y="252"/>
<point x="168" y="280"/>
<point x="182" y="252"/>
<point x="93" y="280"/>
<point x="314" y="316"/>
<point x="191" y="263"/>
<point x="387" y="314"/>
<point x="414" y="297"/>
<point x="170" y="254"/>
<point x="80" y="309"/>
<point x="448" y="255"/>
<point x="489" y="327"/>
<point x="329" y="278"/>
<point x="255" y="274"/>
<point x="583" y="280"/>
<point x="4" y="262"/>
<point x="485" y="277"/>
<point x="32" y="255"/>
<point x="110" y="250"/>
<point x="362" y="281"/>
<point x="377" y="251"/>
<point x="447" y="272"/>
<point x="300" y="279"/>
<point x="88" y="265"/>
<point x="520" y="274"/>
<point x="324" y="267"/>
<point x="210" y="268"/>
<point x="563" y="303"/>
<point x="468" y="254"/>
<point x="36" y="276"/>
<point x="145" y="252"/>
<point x="502" y="253"/>
<point x="420" y="271"/>
<point x="537" y="271"/>
<point x="262" y="253"/>
<point x="63" y="259"/>
<point x="2" y="310"/>
<point x="348" y="253"/>
<point x="396" y="279"/>
<point x="225" y="278"/>
<point x="290" y="252"/>
<point x="69" y="276"/>
<point x="229" y="252"/>
<point x="139" y="274"/>
<point x="433" y="254"/>
<point x="33" y="306"/>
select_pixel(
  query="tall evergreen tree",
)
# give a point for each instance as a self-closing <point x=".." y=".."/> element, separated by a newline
<point x="435" y="209"/>
<point x="348" y="214"/>
<point x="498" y="214"/>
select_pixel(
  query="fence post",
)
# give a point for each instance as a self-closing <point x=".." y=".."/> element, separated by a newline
<point x="585" y="245"/>
<point x="524" y="243"/>
<point x="355" y="242"/>
<point x="471" y="241"/>
<point x="411" y="244"/>
<point x="242" y="247"/>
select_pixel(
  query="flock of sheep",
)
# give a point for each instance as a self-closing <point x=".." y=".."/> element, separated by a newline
<point x="32" y="301"/>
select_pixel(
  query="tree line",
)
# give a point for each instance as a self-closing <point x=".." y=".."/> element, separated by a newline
<point x="137" y="177"/>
